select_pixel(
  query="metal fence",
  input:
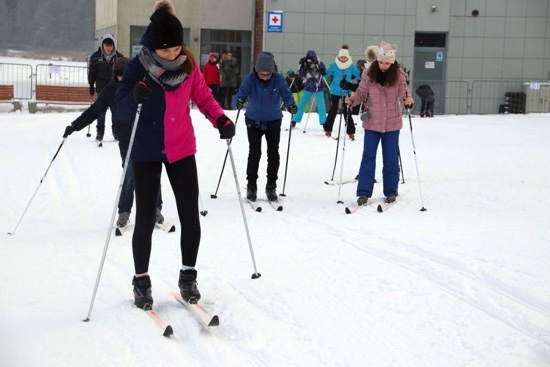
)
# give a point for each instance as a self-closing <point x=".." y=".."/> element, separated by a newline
<point x="62" y="75"/>
<point x="482" y="96"/>
<point x="20" y="76"/>
<point x="459" y="96"/>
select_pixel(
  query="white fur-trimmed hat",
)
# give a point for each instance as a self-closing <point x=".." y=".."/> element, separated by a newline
<point x="371" y="53"/>
<point x="386" y="52"/>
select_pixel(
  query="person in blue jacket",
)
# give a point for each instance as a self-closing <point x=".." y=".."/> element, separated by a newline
<point x="342" y="69"/>
<point x="264" y="89"/>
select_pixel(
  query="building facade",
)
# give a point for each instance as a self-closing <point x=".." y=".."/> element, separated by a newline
<point x="439" y="41"/>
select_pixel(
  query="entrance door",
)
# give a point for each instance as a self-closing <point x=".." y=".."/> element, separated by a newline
<point x="429" y="67"/>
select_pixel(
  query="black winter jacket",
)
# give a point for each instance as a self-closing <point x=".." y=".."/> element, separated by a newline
<point x="101" y="69"/>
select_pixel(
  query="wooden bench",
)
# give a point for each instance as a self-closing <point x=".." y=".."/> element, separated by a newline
<point x="55" y="94"/>
<point x="6" y="96"/>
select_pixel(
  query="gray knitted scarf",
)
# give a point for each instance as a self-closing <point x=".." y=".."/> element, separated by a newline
<point x="166" y="73"/>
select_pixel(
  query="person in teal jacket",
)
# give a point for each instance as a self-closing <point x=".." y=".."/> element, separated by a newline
<point x="342" y="69"/>
<point x="264" y="89"/>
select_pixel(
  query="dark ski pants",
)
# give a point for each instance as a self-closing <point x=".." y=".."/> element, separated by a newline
<point x="272" y="138"/>
<point x="333" y="111"/>
<point x="182" y="175"/>
<point x="126" y="201"/>
<point x="390" y="170"/>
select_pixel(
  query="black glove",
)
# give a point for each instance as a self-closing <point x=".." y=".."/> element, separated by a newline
<point x="226" y="127"/>
<point x="240" y="103"/>
<point x="68" y="131"/>
<point x="92" y="90"/>
<point x="409" y="106"/>
<point x="293" y="108"/>
<point x="140" y="93"/>
<point x="302" y="60"/>
<point x="348" y="86"/>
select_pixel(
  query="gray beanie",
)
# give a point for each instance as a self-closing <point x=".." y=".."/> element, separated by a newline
<point x="265" y="63"/>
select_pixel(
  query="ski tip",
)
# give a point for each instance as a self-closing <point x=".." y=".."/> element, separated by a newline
<point x="118" y="232"/>
<point x="348" y="211"/>
<point x="327" y="183"/>
<point x="379" y="209"/>
<point x="168" y="331"/>
<point x="215" y="321"/>
<point x="172" y="229"/>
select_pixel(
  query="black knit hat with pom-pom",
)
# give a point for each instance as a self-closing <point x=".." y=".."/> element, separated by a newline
<point x="165" y="30"/>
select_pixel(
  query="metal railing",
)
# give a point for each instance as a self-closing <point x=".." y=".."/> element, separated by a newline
<point x="460" y="97"/>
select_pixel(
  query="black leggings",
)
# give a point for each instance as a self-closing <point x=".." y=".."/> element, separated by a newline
<point x="183" y="179"/>
<point x="333" y="111"/>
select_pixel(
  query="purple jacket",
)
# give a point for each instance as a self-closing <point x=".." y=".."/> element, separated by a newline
<point x="384" y="103"/>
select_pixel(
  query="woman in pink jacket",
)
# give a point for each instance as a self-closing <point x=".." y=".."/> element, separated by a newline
<point x="163" y="78"/>
<point x="383" y="88"/>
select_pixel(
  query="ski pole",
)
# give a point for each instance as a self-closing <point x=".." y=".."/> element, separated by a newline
<point x="314" y="97"/>
<point x="290" y="88"/>
<point x="401" y="165"/>
<point x="343" y="155"/>
<point x="215" y="195"/>
<point x="416" y="162"/>
<point x="35" y="191"/>
<point x="338" y="142"/>
<point x="203" y="212"/>
<point x="88" y="133"/>
<point x="256" y="274"/>
<point x="287" y="155"/>
<point x="110" y="231"/>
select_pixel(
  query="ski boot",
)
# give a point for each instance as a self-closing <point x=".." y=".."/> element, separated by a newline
<point x="142" y="292"/>
<point x="188" y="286"/>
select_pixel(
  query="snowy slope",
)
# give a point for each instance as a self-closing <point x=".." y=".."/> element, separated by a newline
<point x="464" y="283"/>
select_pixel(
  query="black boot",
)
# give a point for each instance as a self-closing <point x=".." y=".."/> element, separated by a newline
<point x="251" y="192"/>
<point x="271" y="193"/>
<point x="188" y="286"/>
<point x="99" y="136"/>
<point x="142" y="292"/>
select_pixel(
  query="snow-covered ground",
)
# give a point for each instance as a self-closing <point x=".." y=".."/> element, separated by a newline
<point x="465" y="283"/>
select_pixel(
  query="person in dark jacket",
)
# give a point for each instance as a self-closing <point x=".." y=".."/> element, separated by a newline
<point x="229" y="71"/>
<point x="106" y="99"/>
<point x="426" y="94"/>
<point x="296" y="85"/>
<point x="100" y="72"/>
<point x="264" y="89"/>
<point x="157" y="87"/>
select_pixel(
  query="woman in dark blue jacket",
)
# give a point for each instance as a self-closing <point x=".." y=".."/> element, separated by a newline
<point x="264" y="89"/>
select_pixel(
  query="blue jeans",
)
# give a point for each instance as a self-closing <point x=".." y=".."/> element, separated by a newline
<point x="126" y="200"/>
<point x="390" y="170"/>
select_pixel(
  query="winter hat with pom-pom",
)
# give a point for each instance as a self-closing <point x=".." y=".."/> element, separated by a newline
<point x="165" y="30"/>
<point x="344" y="52"/>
